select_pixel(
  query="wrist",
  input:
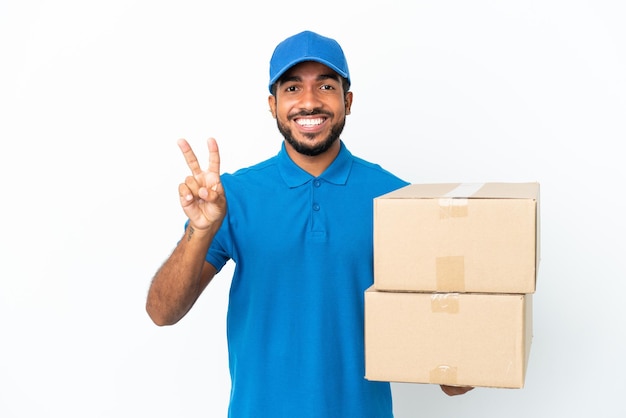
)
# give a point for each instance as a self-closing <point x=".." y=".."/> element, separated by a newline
<point x="195" y="232"/>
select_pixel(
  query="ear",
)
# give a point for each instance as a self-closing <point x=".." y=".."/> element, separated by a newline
<point x="271" y="101"/>
<point x="348" y="102"/>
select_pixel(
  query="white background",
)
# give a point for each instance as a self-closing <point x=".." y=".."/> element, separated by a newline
<point x="93" y="96"/>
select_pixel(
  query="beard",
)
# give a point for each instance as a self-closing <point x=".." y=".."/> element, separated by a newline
<point x="312" y="150"/>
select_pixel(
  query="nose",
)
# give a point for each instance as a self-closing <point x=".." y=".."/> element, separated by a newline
<point x="310" y="99"/>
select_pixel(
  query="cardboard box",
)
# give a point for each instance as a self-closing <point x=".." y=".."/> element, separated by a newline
<point x="481" y="238"/>
<point x="446" y="338"/>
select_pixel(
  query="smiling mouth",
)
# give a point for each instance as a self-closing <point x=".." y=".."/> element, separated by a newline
<point x="310" y="122"/>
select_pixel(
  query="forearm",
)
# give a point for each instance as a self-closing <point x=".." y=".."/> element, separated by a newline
<point x="178" y="283"/>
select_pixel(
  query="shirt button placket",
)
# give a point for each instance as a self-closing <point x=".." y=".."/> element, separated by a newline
<point x="316" y="184"/>
<point x="318" y="229"/>
<point x="316" y="206"/>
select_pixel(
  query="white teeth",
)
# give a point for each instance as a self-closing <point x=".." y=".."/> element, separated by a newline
<point x="310" y="122"/>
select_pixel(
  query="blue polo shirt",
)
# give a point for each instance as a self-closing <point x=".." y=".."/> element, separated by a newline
<point x="302" y="246"/>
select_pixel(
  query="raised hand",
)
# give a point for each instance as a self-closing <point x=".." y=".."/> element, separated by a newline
<point x="202" y="195"/>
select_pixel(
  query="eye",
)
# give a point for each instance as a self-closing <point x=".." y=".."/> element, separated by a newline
<point x="327" y="87"/>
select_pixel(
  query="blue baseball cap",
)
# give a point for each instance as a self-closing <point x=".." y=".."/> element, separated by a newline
<point x="307" y="46"/>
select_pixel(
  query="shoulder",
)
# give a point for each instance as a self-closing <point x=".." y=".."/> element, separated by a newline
<point x="372" y="172"/>
<point x="376" y="168"/>
<point x="259" y="172"/>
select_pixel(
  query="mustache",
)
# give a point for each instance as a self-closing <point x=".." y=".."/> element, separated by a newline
<point x="312" y="112"/>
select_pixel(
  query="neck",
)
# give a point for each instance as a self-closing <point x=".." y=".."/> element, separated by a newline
<point x="314" y="165"/>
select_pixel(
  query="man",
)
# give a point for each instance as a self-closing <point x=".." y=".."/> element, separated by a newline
<point x="299" y="228"/>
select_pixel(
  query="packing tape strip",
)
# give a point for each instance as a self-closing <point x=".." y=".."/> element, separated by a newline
<point x="444" y="374"/>
<point x="454" y="203"/>
<point x="452" y="207"/>
<point x="464" y="190"/>
<point x="444" y="303"/>
<point x="450" y="273"/>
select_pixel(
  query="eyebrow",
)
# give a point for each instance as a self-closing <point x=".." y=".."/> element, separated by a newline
<point x="321" y="77"/>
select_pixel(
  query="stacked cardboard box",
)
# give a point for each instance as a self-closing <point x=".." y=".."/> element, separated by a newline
<point x="455" y="267"/>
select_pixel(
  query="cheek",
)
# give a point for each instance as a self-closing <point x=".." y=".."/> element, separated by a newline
<point x="282" y="110"/>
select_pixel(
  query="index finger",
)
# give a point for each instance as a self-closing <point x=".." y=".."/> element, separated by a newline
<point x="190" y="157"/>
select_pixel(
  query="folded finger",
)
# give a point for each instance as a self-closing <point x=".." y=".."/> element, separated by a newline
<point x="192" y="185"/>
<point x="186" y="196"/>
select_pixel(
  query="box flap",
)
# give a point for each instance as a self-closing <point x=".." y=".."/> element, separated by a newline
<point x="466" y="190"/>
